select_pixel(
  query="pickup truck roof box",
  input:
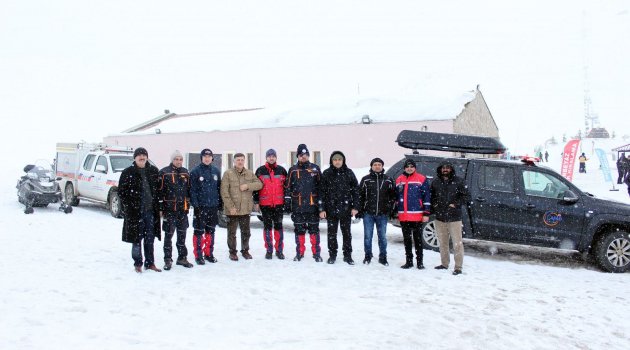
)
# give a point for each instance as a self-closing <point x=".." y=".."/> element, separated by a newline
<point x="435" y="141"/>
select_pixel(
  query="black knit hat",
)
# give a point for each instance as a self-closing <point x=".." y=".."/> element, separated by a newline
<point x="408" y="162"/>
<point x="205" y="152"/>
<point x="377" y="160"/>
<point x="139" y="151"/>
<point x="302" y="150"/>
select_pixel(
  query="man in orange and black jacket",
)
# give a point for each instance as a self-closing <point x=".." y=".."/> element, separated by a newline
<point x="174" y="198"/>
<point x="301" y="194"/>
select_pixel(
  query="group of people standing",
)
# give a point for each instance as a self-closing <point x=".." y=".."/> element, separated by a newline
<point x="155" y="200"/>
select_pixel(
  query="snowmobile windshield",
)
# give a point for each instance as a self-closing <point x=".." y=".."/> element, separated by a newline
<point x="42" y="172"/>
<point x="119" y="163"/>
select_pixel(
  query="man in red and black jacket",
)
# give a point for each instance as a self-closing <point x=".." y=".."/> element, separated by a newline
<point x="270" y="201"/>
<point x="174" y="198"/>
<point x="414" y="206"/>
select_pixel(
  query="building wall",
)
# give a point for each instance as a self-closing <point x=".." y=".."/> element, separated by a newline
<point x="359" y="142"/>
<point x="476" y="119"/>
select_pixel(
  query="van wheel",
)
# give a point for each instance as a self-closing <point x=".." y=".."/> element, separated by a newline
<point x="612" y="252"/>
<point x="430" y="236"/>
<point x="69" y="194"/>
<point x="115" y="207"/>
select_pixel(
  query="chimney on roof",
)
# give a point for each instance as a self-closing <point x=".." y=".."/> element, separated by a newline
<point x="166" y="111"/>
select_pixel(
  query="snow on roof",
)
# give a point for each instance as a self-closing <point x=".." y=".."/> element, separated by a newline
<point x="345" y="111"/>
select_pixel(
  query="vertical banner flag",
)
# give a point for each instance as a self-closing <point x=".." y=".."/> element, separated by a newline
<point x="603" y="164"/>
<point x="568" y="159"/>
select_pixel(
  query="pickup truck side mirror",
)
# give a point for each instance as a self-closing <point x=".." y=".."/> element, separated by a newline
<point x="100" y="169"/>
<point x="569" y="197"/>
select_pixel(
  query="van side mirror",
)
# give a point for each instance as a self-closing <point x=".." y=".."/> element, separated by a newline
<point x="28" y="168"/>
<point x="569" y="197"/>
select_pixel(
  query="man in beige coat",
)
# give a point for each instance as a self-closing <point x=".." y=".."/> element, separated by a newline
<point x="237" y="187"/>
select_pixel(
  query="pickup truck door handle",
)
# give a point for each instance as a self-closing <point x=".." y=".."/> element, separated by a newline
<point x="530" y="206"/>
<point x="480" y="199"/>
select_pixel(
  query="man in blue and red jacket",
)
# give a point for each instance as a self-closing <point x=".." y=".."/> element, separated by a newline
<point x="414" y="206"/>
<point x="205" y="197"/>
<point x="270" y="200"/>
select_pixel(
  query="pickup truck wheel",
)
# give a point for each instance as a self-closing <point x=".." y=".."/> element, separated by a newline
<point x="69" y="194"/>
<point x="222" y="219"/>
<point x="115" y="207"/>
<point x="612" y="252"/>
<point x="430" y="237"/>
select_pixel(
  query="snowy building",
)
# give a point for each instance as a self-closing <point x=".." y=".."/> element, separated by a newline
<point x="362" y="129"/>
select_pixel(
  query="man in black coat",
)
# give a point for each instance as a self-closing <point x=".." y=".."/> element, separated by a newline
<point x="448" y="194"/>
<point x="339" y="202"/>
<point x="137" y="189"/>
<point x="377" y="196"/>
<point x="174" y="198"/>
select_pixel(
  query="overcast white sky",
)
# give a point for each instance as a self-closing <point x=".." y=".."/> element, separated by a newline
<point x="72" y="70"/>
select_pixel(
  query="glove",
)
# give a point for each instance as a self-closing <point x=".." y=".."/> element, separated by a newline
<point x="393" y="214"/>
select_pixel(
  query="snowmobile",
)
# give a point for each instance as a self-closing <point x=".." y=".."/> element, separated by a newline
<point x="39" y="187"/>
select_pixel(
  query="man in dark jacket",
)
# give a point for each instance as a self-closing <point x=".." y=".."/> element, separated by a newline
<point x="338" y="203"/>
<point x="377" y="195"/>
<point x="174" y="197"/>
<point x="270" y="201"/>
<point x="137" y="189"/>
<point x="205" y="184"/>
<point x="448" y="194"/>
<point x="301" y="193"/>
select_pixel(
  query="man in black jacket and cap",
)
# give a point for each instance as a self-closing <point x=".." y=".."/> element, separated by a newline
<point x="448" y="194"/>
<point x="137" y="189"/>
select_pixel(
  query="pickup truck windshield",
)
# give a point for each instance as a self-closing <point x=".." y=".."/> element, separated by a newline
<point x="119" y="163"/>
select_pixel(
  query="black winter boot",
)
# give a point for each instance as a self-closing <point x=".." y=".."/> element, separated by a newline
<point x="408" y="263"/>
<point x="419" y="264"/>
<point x="332" y="259"/>
<point x="383" y="260"/>
<point x="368" y="259"/>
<point x="348" y="259"/>
<point x="268" y="255"/>
<point x="317" y="258"/>
<point x="298" y="257"/>
<point x="280" y="255"/>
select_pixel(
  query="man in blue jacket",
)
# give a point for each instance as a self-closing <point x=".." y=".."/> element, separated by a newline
<point x="205" y="197"/>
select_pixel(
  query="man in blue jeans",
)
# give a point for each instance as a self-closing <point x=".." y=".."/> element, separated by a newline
<point x="377" y="195"/>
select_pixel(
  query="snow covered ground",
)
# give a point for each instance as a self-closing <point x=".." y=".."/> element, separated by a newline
<point x="68" y="283"/>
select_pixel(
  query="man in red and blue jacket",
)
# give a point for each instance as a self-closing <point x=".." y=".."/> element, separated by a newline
<point x="413" y="206"/>
<point x="270" y="200"/>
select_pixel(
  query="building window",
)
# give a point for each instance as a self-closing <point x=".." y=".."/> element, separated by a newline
<point x="249" y="161"/>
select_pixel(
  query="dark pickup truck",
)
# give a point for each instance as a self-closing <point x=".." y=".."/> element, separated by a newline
<point x="521" y="203"/>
